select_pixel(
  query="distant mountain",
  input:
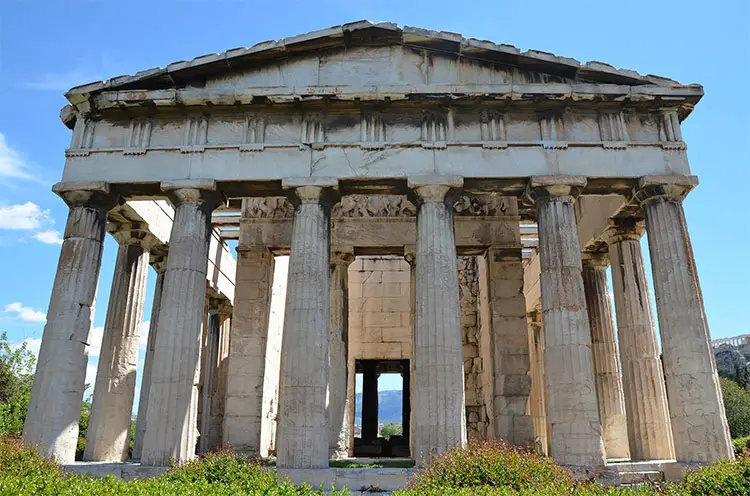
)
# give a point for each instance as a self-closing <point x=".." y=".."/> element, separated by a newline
<point x="389" y="407"/>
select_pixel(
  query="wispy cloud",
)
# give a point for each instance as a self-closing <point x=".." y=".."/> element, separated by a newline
<point x="50" y="237"/>
<point x="12" y="164"/>
<point x="27" y="314"/>
<point x="32" y="344"/>
<point x="24" y="217"/>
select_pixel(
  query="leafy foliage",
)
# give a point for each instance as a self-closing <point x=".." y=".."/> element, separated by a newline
<point x="737" y="406"/>
<point x="388" y="430"/>
<point x="724" y="478"/>
<point x="16" y="377"/>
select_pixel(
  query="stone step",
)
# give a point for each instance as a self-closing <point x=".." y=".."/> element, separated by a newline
<point x="630" y="478"/>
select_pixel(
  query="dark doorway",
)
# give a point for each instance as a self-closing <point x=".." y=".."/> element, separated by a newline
<point x="389" y="436"/>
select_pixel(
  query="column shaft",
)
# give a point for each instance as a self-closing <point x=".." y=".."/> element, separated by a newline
<point x="303" y="423"/>
<point x="172" y="408"/>
<point x="140" y="423"/>
<point x="55" y="403"/>
<point x="649" y="429"/>
<point x="440" y="419"/>
<point x="606" y="366"/>
<point x="244" y="409"/>
<point x="108" y="435"/>
<point x="699" y="425"/>
<point x="338" y="356"/>
<point x="369" y="401"/>
<point x="576" y="433"/>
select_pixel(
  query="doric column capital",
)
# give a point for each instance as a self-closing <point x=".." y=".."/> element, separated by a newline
<point x="598" y="260"/>
<point x="200" y="192"/>
<point x="545" y="187"/>
<point x="671" y="188"/>
<point x="86" y="194"/>
<point x="623" y="230"/>
<point x="410" y="254"/>
<point x="323" y="190"/>
<point x="158" y="260"/>
<point x="133" y="233"/>
<point x="427" y="189"/>
<point x="342" y="255"/>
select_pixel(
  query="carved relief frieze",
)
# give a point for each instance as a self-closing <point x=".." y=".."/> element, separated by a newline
<point x="372" y="131"/>
<point x="254" y="133"/>
<point x="670" y="133"/>
<point x="552" y="131"/>
<point x="313" y="130"/>
<point x="196" y="134"/>
<point x="374" y="206"/>
<point x="139" y="136"/>
<point x="83" y="138"/>
<point x="470" y="205"/>
<point x="612" y="130"/>
<point x="267" y="208"/>
<point x="492" y="126"/>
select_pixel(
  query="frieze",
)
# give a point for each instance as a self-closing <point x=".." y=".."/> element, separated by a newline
<point x="374" y="206"/>
<point x="482" y="206"/>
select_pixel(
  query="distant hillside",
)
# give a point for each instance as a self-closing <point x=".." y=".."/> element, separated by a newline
<point x="389" y="407"/>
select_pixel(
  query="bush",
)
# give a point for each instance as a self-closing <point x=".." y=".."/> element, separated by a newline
<point x="496" y="467"/>
<point x="724" y="478"/>
<point x="16" y="377"/>
<point x="737" y="406"/>
<point x="740" y="444"/>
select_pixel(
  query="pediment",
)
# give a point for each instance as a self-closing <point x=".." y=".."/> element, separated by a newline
<point x="378" y="53"/>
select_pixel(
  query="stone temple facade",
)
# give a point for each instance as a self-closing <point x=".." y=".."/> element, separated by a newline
<point x="449" y="207"/>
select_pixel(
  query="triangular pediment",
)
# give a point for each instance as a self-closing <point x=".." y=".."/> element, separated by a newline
<point x="375" y="53"/>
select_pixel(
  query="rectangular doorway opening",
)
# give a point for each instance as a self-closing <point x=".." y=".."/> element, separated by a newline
<point x="382" y="408"/>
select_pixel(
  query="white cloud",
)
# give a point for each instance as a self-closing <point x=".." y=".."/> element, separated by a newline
<point x="32" y="344"/>
<point x="95" y="341"/>
<point x="26" y="217"/>
<point x="25" y="313"/>
<point x="143" y="343"/>
<point x="11" y="162"/>
<point x="50" y="237"/>
<point x="90" y="378"/>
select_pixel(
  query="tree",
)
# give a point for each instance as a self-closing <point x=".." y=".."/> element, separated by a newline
<point x="388" y="430"/>
<point x="737" y="406"/>
<point x="16" y="378"/>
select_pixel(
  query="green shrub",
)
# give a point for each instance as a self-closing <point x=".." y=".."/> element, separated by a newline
<point x="737" y="406"/>
<point x="740" y="444"/>
<point x="490" y="464"/>
<point x="724" y="478"/>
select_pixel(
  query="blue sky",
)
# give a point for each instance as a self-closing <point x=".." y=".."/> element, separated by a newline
<point x="47" y="47"/>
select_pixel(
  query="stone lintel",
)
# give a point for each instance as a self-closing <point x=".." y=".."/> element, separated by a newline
<point x="595" y="259"/>
<point x="201" y="184"/>
<point x="671" y="187"/>
<point x="299" y="182"/>
<point x="133" y="233"/>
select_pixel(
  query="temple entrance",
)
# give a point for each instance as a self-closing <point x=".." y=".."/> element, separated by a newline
<point x="385" y="424"/>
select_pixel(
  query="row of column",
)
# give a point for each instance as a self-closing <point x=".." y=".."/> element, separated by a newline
<point x="585" y="402"/>
<point x="304" y="433"/>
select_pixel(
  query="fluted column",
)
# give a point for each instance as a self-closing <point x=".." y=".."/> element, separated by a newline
<point x="699" y="425"/>
<point x="537" y="395"/>
<point x="649" y="430"/>
<point x="606" y="365"/>
<point x="303" y="424"/>
<point x="244" y="408"/>
<point x="172" y="404"/>
<point x="338" y="356"/>
<point x="440" y="417"/>
<point x="576" y="433"/>
<point x="159" y="263"/>
<point x="55" y="404"/>
<point x="108" y="435"/>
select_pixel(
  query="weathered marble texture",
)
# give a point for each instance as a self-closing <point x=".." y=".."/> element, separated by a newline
<point x="440" y="420"/>
<point x="302" y="438"/>
<point x="609" y="391"/>
<point x="108" y="435"/>
<point x="649" y="429"/>
<point x="171" y="431"/>
<point x="55" y="404"/>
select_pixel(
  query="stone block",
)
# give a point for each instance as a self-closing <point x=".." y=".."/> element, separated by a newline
<point x="381" y="319"/>
<point x="509" y="363"/>
<point x="396" y="334"/>
<point x="355" y="290"/>
<point x="397" y="276"/>
<point x="512" y="385"/>
<point x="390" y="351"/>
<point x="396" y="304"/>
<point x="371" y="335"/>
<point x="509" y="307"/>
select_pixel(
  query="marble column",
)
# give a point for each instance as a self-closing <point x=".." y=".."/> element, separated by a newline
<point x="244" y="409"/>
<point x="410" y="255"/>
<point x="159" y="263"/>
<point x="572" y="411"/>
<point x="649" y="430"/>
<point x="171" y="418"/>
<point x="55" y="403"/>
<point x="440" y="418"/>
<point x="302" y="437"/>
<point x="537" y="395"/>
<point x="699" y="425"/>
<point x="108" y="436"/>
<point x="338" y="356"/>
<point x="606" y="365"/>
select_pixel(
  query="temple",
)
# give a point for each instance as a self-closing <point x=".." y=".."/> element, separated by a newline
<point x="449" y="208"/>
